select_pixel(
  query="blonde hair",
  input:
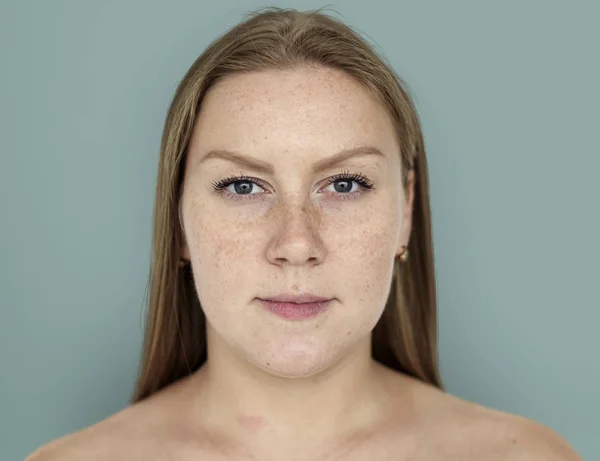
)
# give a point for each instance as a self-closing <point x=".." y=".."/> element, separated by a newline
<point x="405" y="338"/>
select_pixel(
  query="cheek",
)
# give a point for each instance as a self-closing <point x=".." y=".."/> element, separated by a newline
<point x="365" y="257"/>
<point x="221" y="249"/>
<point x="372" y="272"/>
<point x="219" y="241"/>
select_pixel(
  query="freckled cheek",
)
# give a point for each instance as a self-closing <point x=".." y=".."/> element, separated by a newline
<point x="224" y="249"/>
<point x="367" y="237"/>
<point x="226" y="270"/>
<point x="367" y="260"/>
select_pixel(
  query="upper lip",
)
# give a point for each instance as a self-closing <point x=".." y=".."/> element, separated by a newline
<point x="296" y="298"/>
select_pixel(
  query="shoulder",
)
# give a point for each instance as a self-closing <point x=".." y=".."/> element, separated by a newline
<point x="465" y="430"/>
<point x="147" y="430"/>
<point x="515" y="438"/>
<point x="495" y="435"/>
<point x="89" y="444"/>
<point x="139" y="431"/>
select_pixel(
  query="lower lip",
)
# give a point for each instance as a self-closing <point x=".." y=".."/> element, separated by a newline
<point x="295" y="311"/>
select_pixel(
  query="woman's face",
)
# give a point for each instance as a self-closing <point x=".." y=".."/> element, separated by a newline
<point x="284" y="227"/>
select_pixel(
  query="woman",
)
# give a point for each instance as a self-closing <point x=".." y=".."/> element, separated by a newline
<point x="292" y="302"/>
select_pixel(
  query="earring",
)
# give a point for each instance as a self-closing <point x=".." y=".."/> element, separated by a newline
<point x="404" y="255"/>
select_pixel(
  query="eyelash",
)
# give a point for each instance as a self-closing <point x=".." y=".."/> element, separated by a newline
<point x="359" y="178"/>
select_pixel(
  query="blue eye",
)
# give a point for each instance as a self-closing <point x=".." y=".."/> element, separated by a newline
<point x="242" y="186"/>
<point x="343" y="183"/>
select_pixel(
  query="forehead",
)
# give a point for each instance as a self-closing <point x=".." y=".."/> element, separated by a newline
<point x="307" y="109"/>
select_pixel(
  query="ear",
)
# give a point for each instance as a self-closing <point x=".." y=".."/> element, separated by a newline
<point x="407" y="212"/>
<point x="185" y="251"/>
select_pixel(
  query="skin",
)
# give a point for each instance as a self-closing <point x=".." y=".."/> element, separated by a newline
<point x="276" y="389"/>
<point x="293" y="233"/>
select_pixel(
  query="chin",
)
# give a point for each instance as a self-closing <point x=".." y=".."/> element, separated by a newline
<point x="295" y="360"/>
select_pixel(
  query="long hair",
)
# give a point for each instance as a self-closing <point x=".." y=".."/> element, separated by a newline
<point x="405" y="337"/>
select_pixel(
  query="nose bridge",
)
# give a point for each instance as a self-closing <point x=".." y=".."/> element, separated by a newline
<point x="298" y="212"/>
<point x="299" y="220"/>
<point x="297" y="238"/>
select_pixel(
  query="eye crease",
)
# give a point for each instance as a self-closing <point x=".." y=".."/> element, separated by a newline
<point x="243" y="186"/>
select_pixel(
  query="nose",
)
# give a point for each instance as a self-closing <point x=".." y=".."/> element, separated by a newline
<point x="296" y="240"/>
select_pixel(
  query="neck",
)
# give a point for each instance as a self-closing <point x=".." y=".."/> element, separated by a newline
<point x="254" y="408"/>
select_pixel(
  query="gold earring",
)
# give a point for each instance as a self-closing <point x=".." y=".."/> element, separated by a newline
<point x="404" y="255"/>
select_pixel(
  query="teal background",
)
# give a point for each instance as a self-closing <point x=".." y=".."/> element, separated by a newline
<point x="509" y="99"/>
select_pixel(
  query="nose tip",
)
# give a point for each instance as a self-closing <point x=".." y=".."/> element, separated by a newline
<point x="297" y="240"/>
<point x="297" y="251"/>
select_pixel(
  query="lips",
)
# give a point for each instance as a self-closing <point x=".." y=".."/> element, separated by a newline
<point x="296" y="307"/>
<point x="297" y="298"/>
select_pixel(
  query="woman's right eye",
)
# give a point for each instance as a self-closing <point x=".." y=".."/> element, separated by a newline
<point x="242" y="187"/>
<point x="238" y="187"/>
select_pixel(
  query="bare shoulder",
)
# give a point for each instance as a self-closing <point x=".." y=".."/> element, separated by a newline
<point x="138" y="432"/>
<point x="516" y="438"/>
<point x="472" y="431"/>
<point x="506" y="436"/>
<point x="96" y="442"/>
<point x="534" y="441"/>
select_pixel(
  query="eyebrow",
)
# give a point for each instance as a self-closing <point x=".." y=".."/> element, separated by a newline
<point x="265" y="167"/>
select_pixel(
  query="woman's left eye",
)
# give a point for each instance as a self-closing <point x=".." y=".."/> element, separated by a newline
<point x="345" y="186"/>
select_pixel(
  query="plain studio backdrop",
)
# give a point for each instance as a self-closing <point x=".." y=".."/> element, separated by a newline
<point x="509" y="97"/>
